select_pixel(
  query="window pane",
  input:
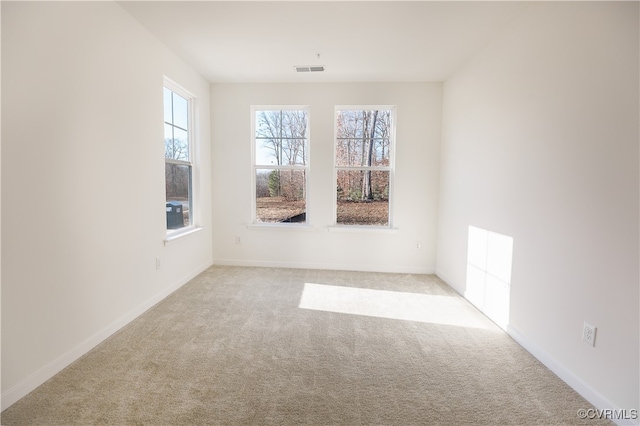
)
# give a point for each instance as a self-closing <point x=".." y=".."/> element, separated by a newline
<point x="180" y="111"/>
<point x="363" y="197"/>
<point x="294" y="152"/>
<point x="363" y="138"/>
<point x="176" y="147"/>
<point x="281" y="137"/>
<point x="380" y="154"/>
<point x="284" y="124"/>
<point x="362" y="152"/>
<point x="350" y="124"/>
<point x="268" y="152"/>
<point x="168" y="141"/>
<point x="168" y="116"/>
<point x="298" y="151"/>
<point x="281" y="152"/>
<point x="294" y="124"/>
<point x="280" y="195"/>
<point x="268" y="124"/>
<point x="178" y="189"/>
<point x="350" y="152"/>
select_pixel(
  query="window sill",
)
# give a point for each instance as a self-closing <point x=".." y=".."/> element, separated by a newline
<point x="284" y="226"/>
<point x="179" y="234"/>
<point x="363" y="228"/>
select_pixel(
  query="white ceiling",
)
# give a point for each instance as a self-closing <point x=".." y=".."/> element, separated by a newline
<point x="238" y="41"/>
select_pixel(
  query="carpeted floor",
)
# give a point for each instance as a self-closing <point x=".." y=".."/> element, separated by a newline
<point x="259" y="346"/>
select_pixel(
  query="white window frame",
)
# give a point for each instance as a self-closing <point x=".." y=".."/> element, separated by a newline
<point x="255" y="167"/>
<point x="390" y="168"/>
<point x="192" y="136"/>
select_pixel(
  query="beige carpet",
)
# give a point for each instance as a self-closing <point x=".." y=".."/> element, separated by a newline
<point x="234" y="346"/>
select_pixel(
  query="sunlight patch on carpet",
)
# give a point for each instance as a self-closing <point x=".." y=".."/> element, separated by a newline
<point x="427" y="308"/>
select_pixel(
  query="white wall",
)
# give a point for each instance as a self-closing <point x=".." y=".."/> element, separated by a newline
<point x="83" y="213"/>
<point x="540" y="142"/>
<point x="415" y="203"/>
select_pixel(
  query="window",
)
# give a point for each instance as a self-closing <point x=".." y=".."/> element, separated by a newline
<point x="178" y="157"/>
<point x="364" y="165"/>
<point x="280" y="164"/>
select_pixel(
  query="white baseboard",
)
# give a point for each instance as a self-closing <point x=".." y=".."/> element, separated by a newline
<point x="399" y="269"/>
<point x="450" y="283"/>
<point x="54" y="367"/>
<point x="586" y="391"/>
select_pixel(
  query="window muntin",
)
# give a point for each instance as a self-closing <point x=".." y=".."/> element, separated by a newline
<point x="281" y="164"/>
<point x="364" y="165"/>
<point x="178" y="158"/>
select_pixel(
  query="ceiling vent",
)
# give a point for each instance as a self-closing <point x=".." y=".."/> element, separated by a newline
<point x="310" y="68"/>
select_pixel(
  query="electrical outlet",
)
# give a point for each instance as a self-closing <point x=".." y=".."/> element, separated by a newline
<point x="238" y="240"/>
<point x="418" y="245"/>
<point x="589" y="334"/>
<point x="158" y="264"/>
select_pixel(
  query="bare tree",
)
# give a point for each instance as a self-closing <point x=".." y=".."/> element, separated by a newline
<point x="176" y="175"/>
<point x="283" y="134"/>
<point x="362" y="140"/>
<point x="268" y="125"/>
<point x="369" y="140"/>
